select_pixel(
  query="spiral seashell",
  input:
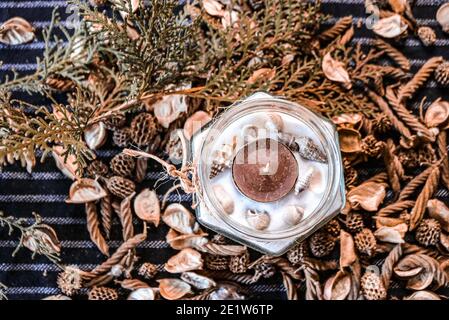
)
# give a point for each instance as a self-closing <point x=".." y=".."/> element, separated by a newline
<point x="274" y="122"/>
<point x="292" y="215"/>
<point x="225" y="200"/>
<point x="250" y="133"/>
<point x="303" y="181"/>
<point x="259" y="220"/>
<point x="289" y="140"/>
<point x="309" y="150"/>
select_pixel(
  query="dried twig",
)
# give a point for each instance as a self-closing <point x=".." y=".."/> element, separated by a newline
<point x="389" y="263"/>
<point x="336" y="30"/>
<point x="394" y="54"/>
<point x="126" y="217"/>
<point x="93" y="226"/>
<point x="106" y="214"/>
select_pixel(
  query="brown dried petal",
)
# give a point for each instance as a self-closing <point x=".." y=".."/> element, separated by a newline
<point x="368" y="196"/>
<point x="147" y="208"/>
<point x="85" y="190"/>
<point x="423" y="295"/>
<point x="95" y="135"/>
<point x="181" y="241"/>
<point x="213" y="7"/>
<point x="350" y="140"/>
<point x="335" y="70"/>
<point x="440" y="212"/>
<point x="41" y="239"/>
<point x="176" y="216"/>
<point x="390" y="27"/>
<point x="347" y="250"/>
<point x="392" y="234"/>
<point x="186" y="260"/>
<point x="16" y="31"/>
<point x="437" y="114"/>
<point x="347" y="119"/>
<point x="337" y="287"/>
<point x="69" y="166"/>
<point x="173" y="289"/>
<point x="420" y="270"/>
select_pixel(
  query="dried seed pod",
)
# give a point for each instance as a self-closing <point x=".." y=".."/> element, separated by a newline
<point x="97" y="168"/>
<point x="195" y="122"/>
<point x="437" y="114"/>
<point x="223" y="197"/>
<point x="259" y="220"/>
<point x="372" y="286"/>
<point x="309" y="150"/>
<point x="239" y="264"/>
<point x="354" y="222"/>
<point x="365" y="242"/>
<point x="440" y="212"/>
<point x="95" y="135"/>
<point x="16" y="31"/>
<point x="348" y="120"/>
<point x="176" y="216"/>
<point x="123" y="165"/>
<point x="348" y="255"/>
<point x="427" y="36"/>
<point x="181" y="241"/>
<point x="186" y="260"/>
<point x="321" y="244"/>
<point x="443" y="17"/>
<point x="122" y="137"/>
<point x="148" y="270"/>
<point x="390" y="27"/>
<point x="381" y="124"/>
<point x="297" y="254"/>
<point x="428" y="232"/>
<point x="442" y="73"/>
<point x="350" y="140"/>
<point x="303" y="181"/>
<point x="41" y="239"/>
<point x="292" y="215"/>
<point x="216" y="262"/>
<point x="70" y="280"/>
<point x="368" y="196"/>
<point x="143" y="129"/>
<point x="142" y="294"/>
<point x="173" y="289"/>
<point x="169" y="108"/>
<point x="120" y="187"/>
<point x="393" y="234"/>
<point x="102" y="293"/>
<point x="147" y="208"/>
<point x="333" y="228"/>
<point x="263" y="270"/>
<point x="85" y="190"/>
<point x="115" y="122"/>
<point x="335" y="70"/>
<point x="198" y="281"/>
<point x="337" y="287"/>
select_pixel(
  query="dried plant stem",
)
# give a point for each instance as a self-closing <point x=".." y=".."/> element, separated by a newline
<point x="428" y="190"/>
<point x="313" y="285"/>
<point x="442" y="153"/>
<point x="93" y="226"/>
<point x="396" y="207"/>
<point x="99" y="281"/>
<point x="290" y="288"/>
<point x="106" y="214"/>
<point x="414" y="184"/>
<point x="141" y="169"/>
<point x="126" y="217"/>
<point x="227" y="275"/>
<point x="394" y="54"/>
<point x="336" y="30"/>
<point x="346" y="37"/>
<point x="389" y="263"/>
<point x="379" y="178"/>
<point x="390" y="164"/>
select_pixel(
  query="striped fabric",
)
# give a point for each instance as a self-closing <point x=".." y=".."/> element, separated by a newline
<point x="45" y="189"/>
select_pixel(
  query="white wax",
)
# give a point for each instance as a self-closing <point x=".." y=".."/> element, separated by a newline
<point x="308" y="199"/>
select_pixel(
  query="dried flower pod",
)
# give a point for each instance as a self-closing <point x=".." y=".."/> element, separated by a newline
<point x="169" y="108"/>
<point x="350" y="140"/>
<point x="143" y="129"/>
<point x="309" y="150"/>
<point x="97" y="168"/>
<point x="440" y="212"/>
<point x="354" y="222"/>
<point x="147" y="270"/>
<point x="195" y="122"/>
<point x="123" y="165"/>
<point x="335" y="70"/>
<point x="423" y="295"/>
<point x="303" y="181"/>
<point x="85" y="190"/>
<point x="142" y="294"/>
<point x="146" y="206"/>
<point x="16" y="31"/>
<point x="115" y="122"/>
<point x="368" y="196"/>
<point x="348" y="255"/>
<point x="297" y="254"/>
<point x="239" y="264"/>
<point x="292" y="215"/>
<point x="259" y="220"/>
<point x="337" y="287"/>
<point x="443" y="17"/>
<point x="121" y="137"/>
<point x="442" y="73"/>
<point x="176" y="216"/>
<point x="365" y="242"/>
<point x="321" y="244"/>
<point x="393" y="234"/>
<point x="348" y="120"/>
<point x="120" y="187"/>
<point x="333" y="228"/>
<point x="372" y="286"/>
<point x="70" y="280"/>
<point x="390" y="27"/>
<point x="198" y="281"/>
<point x="95" y="135"/>
<point x="261" y="75"/>
<point x="381" y="124"/>
<point x="428" y="232"/>
<point x="67" y="164"/>
<point x="41" y="239"/>
<point x="173" y="289"/>
<point x="102" y="293"/>
<point x="186" y="260"/>
<point x="427" y="36"/>
<point x="224" y="199"/>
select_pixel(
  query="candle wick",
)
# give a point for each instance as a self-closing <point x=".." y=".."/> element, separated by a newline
<point x="266" y="168"/>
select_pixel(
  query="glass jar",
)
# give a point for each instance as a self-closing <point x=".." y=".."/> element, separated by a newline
<point x="223" y="208"/>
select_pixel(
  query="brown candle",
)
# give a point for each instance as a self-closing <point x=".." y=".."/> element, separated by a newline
<point x="265" y="170"/>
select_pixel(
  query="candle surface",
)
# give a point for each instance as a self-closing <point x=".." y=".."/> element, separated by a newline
<point x="265" y="170"/>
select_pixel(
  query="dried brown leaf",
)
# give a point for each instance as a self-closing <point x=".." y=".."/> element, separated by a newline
<point x="348" y="254"/>
<point x="337" y="287"/>
<point x="146" y="206"/>
<point x="335" y="70"/>
<point x="390" y="27"/>
<point x="85" y="190"/>
<point x="367" y="196"/>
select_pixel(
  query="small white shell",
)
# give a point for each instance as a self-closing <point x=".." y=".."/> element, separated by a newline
<point x="186" y="260"/>
<point x="179" y="218"/>
<point x="95" y="135"/>
<point x="198" y="281"/>
<point x="443" y="17"/>
<point x="303" y="181"/>
<point x="142" y="294"/>
<point x="274" y="122"/>
<point x="225" y="200"/>
<point x="259" y="220"/>
<point x="292" y="215"/>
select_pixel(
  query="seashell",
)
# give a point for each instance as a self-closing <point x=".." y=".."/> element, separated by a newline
<point x="303" y="181"/>
<point x="259" y="220"/>
<point x="274" y="123"/>
<point x="95" y="135"/>
<point x="146" y="206"/>
<point x="437" y="114"/>
<point x="335" y="70"/>
<point x="368" y="196"/>
<point x="168" y="109"/>
<point x="289" y="140"/>
<point x="337" y="287"/>
<point x="198" y="281"/>
<point x="419" y="269"/>
<point x="57" y="297"/>
<point x="186" y="260"/>
<point x="390" y="27"/>
<point x="423" y="295"/>
<point x="230" y="19"/>
<point x="142" y="294"/>
<point x="223" y="157"/>
<point x="227" y="291"/>
<point x="68" y="165"/>
<point x="195" y="122"/>
<point x="176" y="216"/>
<point x="394" y="234"/>
<point x="347" y="250"/>
<point x="440" y="212"/>
<point x="16" y="31"/>
<point x="85" y="190"/>
<point x="225" y="200"/>
<point x="350" y="120"/>
<point x="173" y="289"/>
<point x="292" y="215"/>
<point x="309" y="150"/>
<point x="250" y="133"/>
<point x="443" y="17"/>
<point x="181" y="241"/>
<point x="350" y="140"/>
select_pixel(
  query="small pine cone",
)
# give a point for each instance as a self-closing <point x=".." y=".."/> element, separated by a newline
<point x="115" y="122"/>
<point x="215" y="169"/>
<point x="427" y="36"/>
<point x="97" y="168"/>
<point x="143" y="129"/>
<point x="428" y="232"/>
<point x="297" y="254"/>
<point x="351" y="176"/>
<point x="354" y="222"/>
<point x="372" y="147"/>
<point x="372" y="286"/>
<point x="333" y="228"/>
<point x="102" y="293"/>
<point x="214" y="262"/>
<point x="381" y="124"/>
<point x="147" y="270"/>
<point x="120" y="187"/>
<point x="219" y="239"/>
<point x="321" y="244"/>
<point x="122" y="137"/>
<point x="442" y="73"/>
<point x="264" y="270"/>
<point x="123" y="165"/>
<point x="239" y="264"/>
<point x="365" y="242"/>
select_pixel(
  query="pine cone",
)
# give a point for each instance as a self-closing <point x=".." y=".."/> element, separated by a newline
<point x="122" y="137"/>
<point x="215" y="169"/>
<point x="321" y="244"/>
<point x="264" y="270"/>
<point x="442" y="73"/>
<point x="147" y="270"/>
<point x="239" y="264"/>
<point x="372" y="286"/>
<point x="143" y="129"/>
<point x="333" y="228"/>
<point x="297" y="254"/>
<point x="371" y="146"/>
<point x="354" y="222"/>
<point x="365" y="242"/>
<point x="97" y="168"/>
<point x="427" y="36"/>
<point x="428" y="232"/>
<point x="120" y="187"/>
<point x="102" y="293"/>
<point x="115" y="122"/>
<point x="215" y="262"/>
<point x="381" y="124"/>
<point x="123" y="165"/>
